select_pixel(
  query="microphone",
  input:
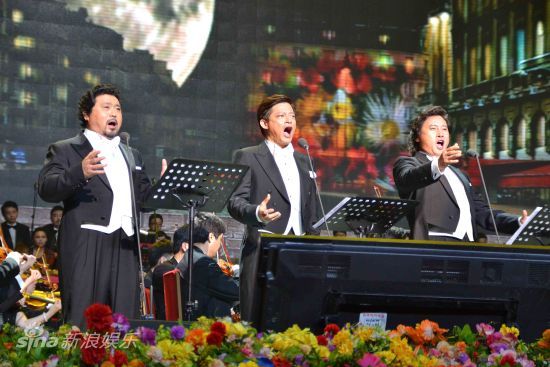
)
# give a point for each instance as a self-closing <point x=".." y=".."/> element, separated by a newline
<point x="125" y="138"/>
<point x="473" y="154"/>
<point x="303" y="143"/>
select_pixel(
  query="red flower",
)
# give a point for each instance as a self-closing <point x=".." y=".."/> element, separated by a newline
<point x="119" y="358"/>
<point x="214" y="338"/>
<point x="332" y="329"/>
<point x="322" y="340"/>
<point x="92" y="356"/>
<point x="281" y="362"/>
<point x="218" y="327"/>
<point x="508" y="360"/>
<point x="99" y="318"/>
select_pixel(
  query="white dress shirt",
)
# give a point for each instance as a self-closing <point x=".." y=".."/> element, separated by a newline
<point x="116" y="171"/>
<point x="284" y="158"/>
<point x="13" y="234"/>
<point x="464" y="226"/>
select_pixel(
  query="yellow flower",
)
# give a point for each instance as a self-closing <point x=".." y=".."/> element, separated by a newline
<point x="305" y="348"/>
<point x="343" y="342"/>
<point x="403" y="352"/>
<point x="248" y="364"/>
<point x="504" y="330"/>
<point x="294" y="337"/>
<point x="386" y="356"/>
<point x="235" y="328"/>
<point x="179" y="351"/>
<point x="426" y="361"/>
<point x="364" y="333"/>
<point x="323" y="351"/>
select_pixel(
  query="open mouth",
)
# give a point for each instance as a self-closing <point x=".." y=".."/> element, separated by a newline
<point x="288" y="131"/>
<point x="440" y="143"/>
<point x="112" y="123"/>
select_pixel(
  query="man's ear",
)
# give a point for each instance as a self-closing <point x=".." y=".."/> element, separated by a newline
<point x="211" y="237"/>
<point x="263" y="124"/>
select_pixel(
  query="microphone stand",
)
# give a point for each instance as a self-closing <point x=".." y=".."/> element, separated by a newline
<point x="487" y="196"/>
<point x="34" y="205"/>
<point x="131" y="163"/>
<point x="303" y="143"/>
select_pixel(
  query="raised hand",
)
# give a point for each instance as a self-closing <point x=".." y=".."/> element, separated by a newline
<point x="449" y="156"/>
<point x="163" y="166"/>
<point x="26" y="262"/>
<point x="267" y="214"/>
<point x="524" y="216"/>
<point x="56" y="307"/>
<point x="91" y="164"/>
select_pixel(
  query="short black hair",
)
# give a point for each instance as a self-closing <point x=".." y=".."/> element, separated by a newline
<point x="416" y="125"/>
<point x="264" y="109"/>
<point x="212" y="223"/>
<point x="87" y="101"/>
<point x="56" y="208"/>
<point x="9" y="204"/>
<point x="181" y="235"/>
<point x="155" y="216"/>
<point x="39" y="229"/>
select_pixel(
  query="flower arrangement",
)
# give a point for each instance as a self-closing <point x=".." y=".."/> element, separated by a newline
<point x="109" y="342"/>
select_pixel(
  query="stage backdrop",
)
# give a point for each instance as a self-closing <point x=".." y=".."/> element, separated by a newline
<point x="193" y="71"/>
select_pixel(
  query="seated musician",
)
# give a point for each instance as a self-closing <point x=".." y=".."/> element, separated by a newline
<point x="180" y="244"/>
<point x="449" y="209"/>
<point x="215" y="292"/>
<point x="14" y="291"/>
<point x="44" y="254"/>
<point x="155" y="232"/>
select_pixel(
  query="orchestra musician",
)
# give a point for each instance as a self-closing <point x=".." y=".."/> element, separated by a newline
<point x="44" y="254"/>
<point x="215" y="292"/>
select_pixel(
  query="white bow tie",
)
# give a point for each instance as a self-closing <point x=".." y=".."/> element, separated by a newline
<point x="110" y="143"/>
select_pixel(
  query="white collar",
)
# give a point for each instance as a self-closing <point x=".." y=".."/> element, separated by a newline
<point x="288" y="150"/>
<point x="430" y="157"/>
<point x="101" y="140"/>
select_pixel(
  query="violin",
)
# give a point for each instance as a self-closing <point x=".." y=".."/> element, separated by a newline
<point x="38" y="300"/>
<point x="227" y="268"/>
<point x="226" y="265"/>
<point x="47" y="291"/>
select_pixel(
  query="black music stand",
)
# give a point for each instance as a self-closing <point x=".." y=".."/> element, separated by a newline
<point x="191" y="185"/>
<point x="366" y="215"/>
<point x="535" y="230"/>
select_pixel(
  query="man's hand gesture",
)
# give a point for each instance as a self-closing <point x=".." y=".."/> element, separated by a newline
<point x="267" y="215"/>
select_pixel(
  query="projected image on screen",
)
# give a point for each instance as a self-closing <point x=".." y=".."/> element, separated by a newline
<point x="353" y="108"/>
<point x="174" y="31"/>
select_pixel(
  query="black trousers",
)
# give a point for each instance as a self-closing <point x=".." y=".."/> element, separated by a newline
<point x="105" y="271"/>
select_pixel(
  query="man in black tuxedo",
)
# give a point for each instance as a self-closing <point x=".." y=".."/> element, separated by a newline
<point x="17" y="235"/>
<point x="90" y="174"/>
<point x="277" y="194"/>
<point x="180" y="244"/>
<point x="449" y="209"/>
<point x="215" y="292"/>
<point x="52" y="229"/>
